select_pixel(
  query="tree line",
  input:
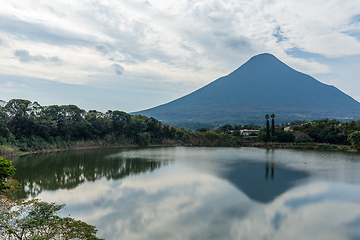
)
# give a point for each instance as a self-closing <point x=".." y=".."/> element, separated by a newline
<point x="30" y="126"/>
<point x="330" y="131"/>
<point x="317" y="131"/>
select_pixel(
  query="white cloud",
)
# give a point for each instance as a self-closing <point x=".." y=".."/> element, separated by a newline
<point x="318" y="27"/>
<point x="118" y="69"/>
<point x="179" y="41"/>
<point x="102" y="48"/>
<point x="24" y="57"/>
<point x="307" y="66"/>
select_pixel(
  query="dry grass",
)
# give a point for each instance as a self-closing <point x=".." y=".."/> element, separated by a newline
<point x="7" y="151"/>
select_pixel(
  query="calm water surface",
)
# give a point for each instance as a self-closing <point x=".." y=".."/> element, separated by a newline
<point x="201" y="193"/>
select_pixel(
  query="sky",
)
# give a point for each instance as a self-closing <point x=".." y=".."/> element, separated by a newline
<point x="133" y="55"/>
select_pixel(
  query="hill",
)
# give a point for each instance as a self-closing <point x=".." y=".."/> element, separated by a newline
<point x="263" y="85"/>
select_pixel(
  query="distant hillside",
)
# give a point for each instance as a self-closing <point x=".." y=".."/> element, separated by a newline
<point x="263" y="85"/>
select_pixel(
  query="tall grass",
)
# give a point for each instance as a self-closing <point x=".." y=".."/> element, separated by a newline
<point x="8" y="151"/>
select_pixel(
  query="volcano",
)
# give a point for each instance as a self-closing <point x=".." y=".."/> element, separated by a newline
<point x="263" y="85"/>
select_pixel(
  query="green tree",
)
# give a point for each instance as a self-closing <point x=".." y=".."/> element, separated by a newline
<point x="261" y="136"/>
<point x="301" y="137"/>
<point x="283" y="136"/>
<point x="143" y="139"/>
<point x="354" y="139"/>
<point x="272" y="125"/>
<point x="135" y="126"/>
<point x="100" y="124"/>
<point x="6" y="171"/>
<point x="154" y="127"/>
<point x="225" y="129"/>
<point x="35" y="219"/>
<point x="267" y="137"/>
<point x="202" y="130"/>
<point x="119" y="120"/>
<point x="21" y="117"/>
<point x="4" y="131"/>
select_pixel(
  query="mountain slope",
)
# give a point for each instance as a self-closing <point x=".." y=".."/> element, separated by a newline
<point x="263" y="85"/>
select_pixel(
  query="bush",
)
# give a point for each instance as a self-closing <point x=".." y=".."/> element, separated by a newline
<point x="7" y="150"/>
<point x="202" y="130"/>
<point x="283" y="136"/>
<point x="6" y="171"/>
<point x="261" y="137"/>
<point x="354" y="139"/>
<point x="301" y="137"/>
<point x="2" y="140"/>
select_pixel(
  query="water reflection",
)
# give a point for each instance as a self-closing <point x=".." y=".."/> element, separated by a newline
<point x="269" y="155"/>
<point x="210" y="193"/>
<point x="267" y="170"/>
<point x="67" y="170"/>
<point x="248" y="178"/>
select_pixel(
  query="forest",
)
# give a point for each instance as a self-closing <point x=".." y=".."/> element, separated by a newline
<point x="27" y="126"/>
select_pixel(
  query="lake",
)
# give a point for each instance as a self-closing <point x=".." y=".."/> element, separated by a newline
<point x="201" y="193"/>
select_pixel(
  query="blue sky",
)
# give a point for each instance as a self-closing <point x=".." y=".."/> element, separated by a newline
<point x="133" y="55"/>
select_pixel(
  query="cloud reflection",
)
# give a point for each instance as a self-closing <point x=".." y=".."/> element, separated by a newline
<point x="184" y="206"/>
<point x="176" y="202"/>
<point x="179" y="201"/>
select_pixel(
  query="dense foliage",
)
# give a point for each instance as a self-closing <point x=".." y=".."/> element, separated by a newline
<point x="354" y="139"/>
<point x="31" y="126"/>
<point x="6" y="171"/>
<point x="317" y="131"/>
<point x="328" y="131"/>
<point x="35" y="219"/>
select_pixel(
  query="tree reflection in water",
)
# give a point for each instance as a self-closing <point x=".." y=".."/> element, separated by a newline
<point x="67" y="170"/>
<point x="206" y="193"/>
<point x="248" y="177"/>
<point x="269" y="154"/>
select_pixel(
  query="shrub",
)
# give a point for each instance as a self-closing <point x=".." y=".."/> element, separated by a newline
<point x="283" y="136"/>
<point x="261" y="137"/>
<point x="301" y="137"/>
<point x="6" y="171"/>
<point x="354" y="139"/>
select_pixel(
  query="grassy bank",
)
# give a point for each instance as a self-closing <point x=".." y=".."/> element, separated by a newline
<point x="188" y="138"/>
<point x="9" y="151"/>
<point x="185" y="138"/>
<point x="313" y="146"/>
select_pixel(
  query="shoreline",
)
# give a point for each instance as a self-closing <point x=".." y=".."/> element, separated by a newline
<point x="303" y="146"/>
<point x="268" y="145"/>
<point x="83" y="147"/>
